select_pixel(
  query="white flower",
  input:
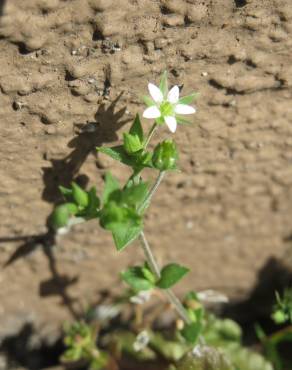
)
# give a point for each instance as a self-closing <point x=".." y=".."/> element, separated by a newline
<point x="166" y="106"/>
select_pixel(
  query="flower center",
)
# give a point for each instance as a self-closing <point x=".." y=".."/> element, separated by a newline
<point x="166" y="109"/>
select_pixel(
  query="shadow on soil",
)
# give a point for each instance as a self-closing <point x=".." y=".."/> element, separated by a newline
<point x="63" y="172"/>
<point x="92" y="134"/>
<point x="2" y="3"/>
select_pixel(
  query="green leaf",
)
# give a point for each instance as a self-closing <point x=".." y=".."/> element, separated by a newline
<point x="132" y="143"/>
<point x="125" y="235"/>
<point x="135" y="278"/>
<point x="148" y="101"/>
<point x="191" y="332"/>
<point x="171" y="274"/>
<point x="163" y="86"/>
<point x="93" y="204"/>
<point x="79" y="195"/>
<point x="111" y="184"/>
<point x="117" y="153"/>
<point x="135" y="194"/>
<point x="66" y="192"/>
<point x="188" y="99"/>
<point x="137" y="129"/>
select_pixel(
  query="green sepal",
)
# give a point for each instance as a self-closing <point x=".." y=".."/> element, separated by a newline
<point x="135" y="277"/>
<point x="61" y="214"/>
<point x="148" y="101"/>
<point x="182" y="121"/>
<point x="188" y="99"/>
<point x="79" y="195"/>
<point x="171" y="274"/>
<point x="163" y="86"/>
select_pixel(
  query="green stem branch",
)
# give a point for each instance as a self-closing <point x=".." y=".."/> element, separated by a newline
<point x="151" y="259"/>
<point x="151" y="192"/>
<point x="156" y="271"/>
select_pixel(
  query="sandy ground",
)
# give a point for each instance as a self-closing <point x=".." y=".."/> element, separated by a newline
<point x="71" y="77"/>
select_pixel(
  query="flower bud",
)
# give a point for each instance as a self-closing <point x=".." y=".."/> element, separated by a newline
<point x="79" y="195"/>
<point x="165" y="155"/>
<point x="61" y="215"/>
<point x="132" y="143"/>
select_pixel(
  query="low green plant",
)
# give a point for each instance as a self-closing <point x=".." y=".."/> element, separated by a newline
<point x="121" y="210"/>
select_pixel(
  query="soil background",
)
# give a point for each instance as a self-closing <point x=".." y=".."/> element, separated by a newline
<point x="72" y="74"/>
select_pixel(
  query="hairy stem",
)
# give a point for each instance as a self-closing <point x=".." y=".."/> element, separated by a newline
<point x="150" y="134"/>
<point x="156" y="271"/>
<point x="151" y="259"/>
<point x="151" y="192"/>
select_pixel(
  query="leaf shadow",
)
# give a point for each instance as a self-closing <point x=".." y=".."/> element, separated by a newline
<point x="108" y="120"/>
<point x="103" y="130"/>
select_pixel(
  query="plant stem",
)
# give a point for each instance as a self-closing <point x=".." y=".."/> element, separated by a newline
<point x="151" y="259"/>
<point x="150" y="134"/>
<point x="156" y="271"/>
<point x="151" y="192"/>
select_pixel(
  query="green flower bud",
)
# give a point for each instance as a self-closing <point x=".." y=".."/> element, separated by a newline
<point x="79" y="195"/>
<point x="132" y="143"/>
<point x="61" y="215"/>
<point x="165" y="155"/>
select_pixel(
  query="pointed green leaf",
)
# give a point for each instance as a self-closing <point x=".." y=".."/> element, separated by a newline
<point x="136" y="128"/>
<point x="189" y="98"/>
<point x="135" y="194"/>
<point x="135" y="278"/>
<point x="171" y="274"/>
<point x="163" y="86"/>
<point x="79" y="195"/>
<point x="191" y="332"/>
<point x="132" y="143"/>
<point x="66" y="192"/>
<point x="111" y="184"/>
<point x="93" y="204"/>
<point x="125" y="235"/>
<point x="117" y="153"/>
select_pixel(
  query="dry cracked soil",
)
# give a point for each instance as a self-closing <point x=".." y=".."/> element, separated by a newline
<point x="72" y="73"/>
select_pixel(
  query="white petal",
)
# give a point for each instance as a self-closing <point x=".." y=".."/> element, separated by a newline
<point x="184" y="109"/>
<point x="151" y="112"/>
<point x="173" y="95"/>
<point x="155" y="93"/>
<point x="171" y="123"/>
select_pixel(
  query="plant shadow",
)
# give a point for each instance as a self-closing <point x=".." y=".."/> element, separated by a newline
<point x="92" y="134"/>
<point x="62" y="172"/>
<point x="2" y="4"/>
